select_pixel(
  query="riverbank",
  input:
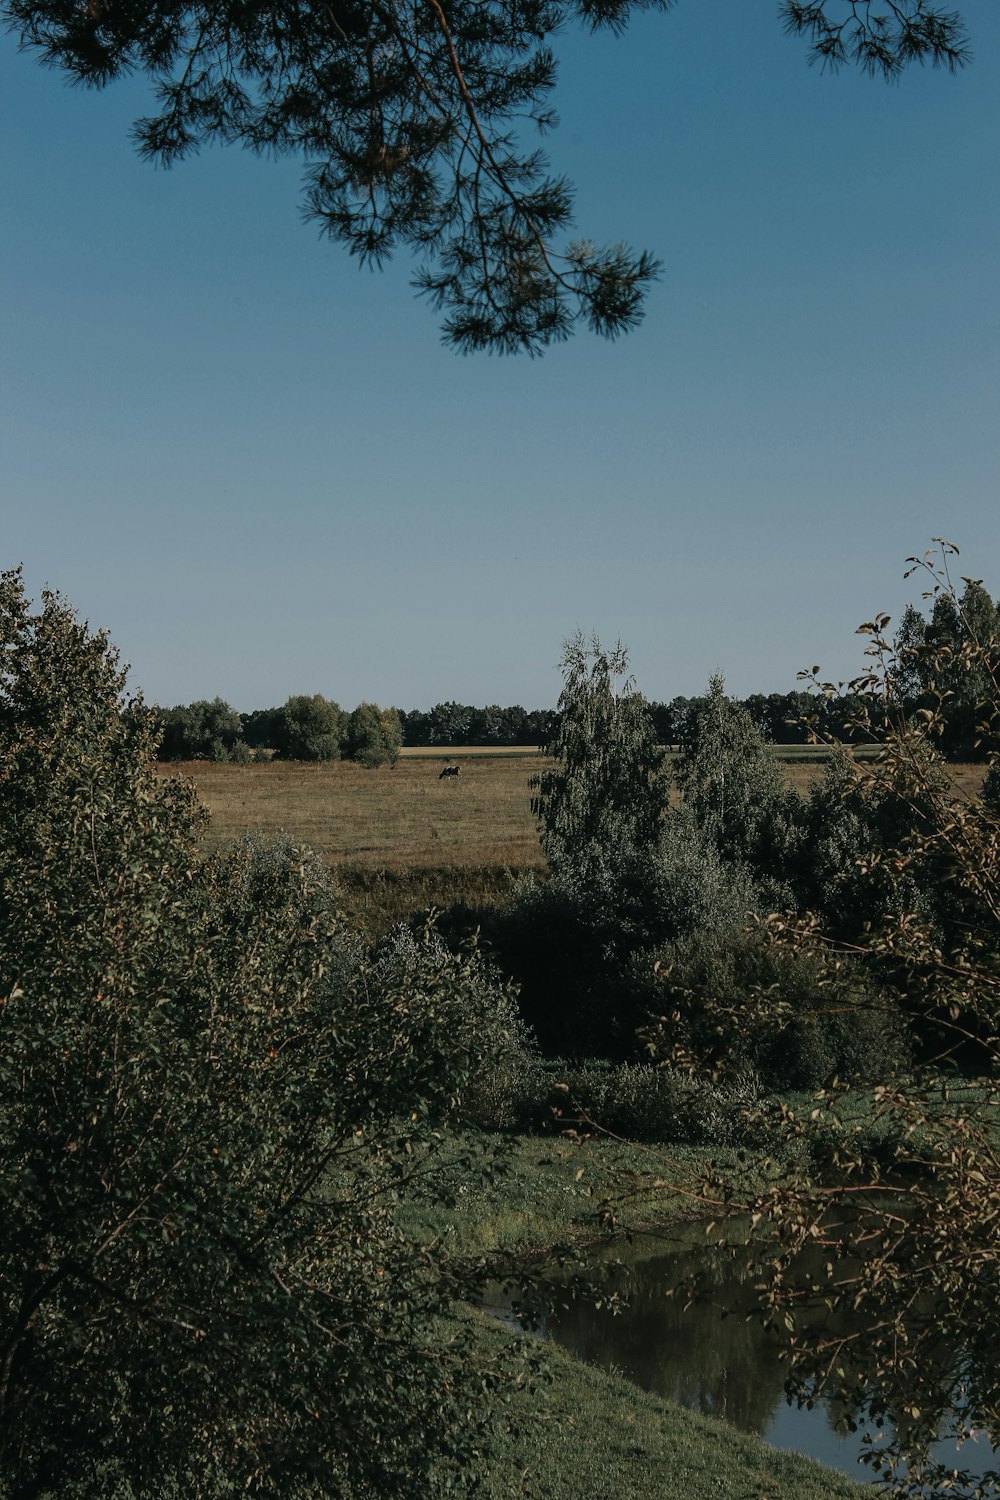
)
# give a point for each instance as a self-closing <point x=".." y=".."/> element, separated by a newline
<point x="591" y="1435"/>
<point x="587" y="1433"/>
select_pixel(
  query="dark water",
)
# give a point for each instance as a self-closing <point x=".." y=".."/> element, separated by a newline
<point x="723" y="1366"/>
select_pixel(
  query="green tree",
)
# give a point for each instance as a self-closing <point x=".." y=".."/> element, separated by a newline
<point x="374" y="735"/>
<point x="208" y="1104"/>
<point x="204" y="730"/>
<point x="309" y="728"/>
<point x="407" y="118"/>
<point x="900" y="1193"/>
<point x="728" y="777"/>
<point x="607" y="791"/>
<point x="944" y="664"/>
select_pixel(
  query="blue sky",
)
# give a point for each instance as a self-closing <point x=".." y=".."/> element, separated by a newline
<point x="257" y="467"/>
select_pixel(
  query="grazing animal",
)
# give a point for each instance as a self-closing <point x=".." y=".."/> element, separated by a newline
<point x="450" y="771"/>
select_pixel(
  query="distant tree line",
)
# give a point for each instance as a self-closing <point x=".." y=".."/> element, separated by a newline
<point x="307" y="727"/>
<point x="932" y="675"/>
<point x="464" y="724"/>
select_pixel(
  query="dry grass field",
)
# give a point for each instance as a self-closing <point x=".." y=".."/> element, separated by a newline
<point x="405" y="818"/>
<point x="400" y="838"/>
<point x="399" y="818"/>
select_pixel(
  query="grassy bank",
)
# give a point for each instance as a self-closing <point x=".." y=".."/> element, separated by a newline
<point x="584" y="1433"/>
<point x="591" y="1435"/>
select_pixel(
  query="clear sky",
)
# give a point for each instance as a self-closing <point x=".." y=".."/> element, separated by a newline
<point x="258" y="468"/>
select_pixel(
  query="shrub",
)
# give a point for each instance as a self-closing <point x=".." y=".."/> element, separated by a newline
<point x="309" y="728"/>
<point x="208" y="1104"/>
<point x="735" y="1001"/>
<point x="577" y="946"/>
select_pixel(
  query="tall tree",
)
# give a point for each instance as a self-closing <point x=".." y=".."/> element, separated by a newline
<point x="606" y="790"/>
<point x="208" y="1104"/>
<point x="407" y="120"/>
<point x="310" y="727"/>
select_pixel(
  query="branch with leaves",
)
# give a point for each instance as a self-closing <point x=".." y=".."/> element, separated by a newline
<point x="414" y="122"/>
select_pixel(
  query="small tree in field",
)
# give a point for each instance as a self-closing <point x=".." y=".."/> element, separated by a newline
<point x="374" y="735"/>
<point x="607" y="791"/>
<point x="208" y="1105"/>
<point x="309" y="728"/>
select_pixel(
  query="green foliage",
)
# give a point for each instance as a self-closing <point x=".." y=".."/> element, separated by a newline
<point x="904" y="1210"/>
<point x="208" y="1103"/>
<point x="408" y="121"/>
<point x="309" y="728"/>
<point x="200" y="731"/>
<point x="606" y="790"/>
<point x="639" y="1102"/>
<point x="374" y="735"/>
<point x="944" y="665"/>
<point x="581" y="946"/>
<point x="733" y="1002"/>
<point x="730" y="781"/>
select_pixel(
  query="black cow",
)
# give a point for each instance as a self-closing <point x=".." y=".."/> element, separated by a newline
<point x="450" y="771"/>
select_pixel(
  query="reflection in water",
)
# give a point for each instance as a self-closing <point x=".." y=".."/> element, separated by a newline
<point x="724" y="1366"/>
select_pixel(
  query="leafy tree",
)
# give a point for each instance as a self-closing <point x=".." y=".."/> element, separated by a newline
<point x="607" y="791"/>
<point x="730" y="780"/>
<point x="310" y="728"/>
<point x="904" y="1196"/>
<point x="406" y="119"/>
<point x="944" y="664"/>
<point x="208" y="1103"/>
<point x="374" y="735"/>
<point x="260" y="728"/>
<point x="449" y="723"/>
<point x="200" y="731"/>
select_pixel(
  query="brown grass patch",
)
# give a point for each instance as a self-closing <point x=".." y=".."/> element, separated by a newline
<point x="403" y="824"/>
<point x="390" y="819"/>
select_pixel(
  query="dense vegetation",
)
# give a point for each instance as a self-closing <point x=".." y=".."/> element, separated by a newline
<point x="217" y="1100"/>
<point x="307" y="727"/>
<point x="210" y="1099"/>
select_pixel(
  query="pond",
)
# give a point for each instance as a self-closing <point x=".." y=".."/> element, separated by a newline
<point x="723" y="1366"/>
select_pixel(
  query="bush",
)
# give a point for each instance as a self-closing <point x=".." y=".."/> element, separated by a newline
<point x="209" y="1103"/>
<point x="637" y="1101"/>
<point x="309" y="728"/>
<point x="734" y="1001"/>
<point x="578" y="945"/>
<point x="374" y="735"/>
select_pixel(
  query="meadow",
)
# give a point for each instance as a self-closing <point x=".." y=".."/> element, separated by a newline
<point x="403" y="840"/>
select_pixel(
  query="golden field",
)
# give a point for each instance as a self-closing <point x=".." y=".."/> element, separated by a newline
<point x="405" y="817"/>
<point x="393" y="818"/>
<point x="402" y="839"/>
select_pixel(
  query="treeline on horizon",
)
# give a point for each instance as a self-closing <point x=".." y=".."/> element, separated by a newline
<point x="317" y="728"/>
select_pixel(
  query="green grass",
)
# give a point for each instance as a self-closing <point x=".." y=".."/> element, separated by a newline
<point x="590" y="1435"/>
<point x="581" y="1433"/>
